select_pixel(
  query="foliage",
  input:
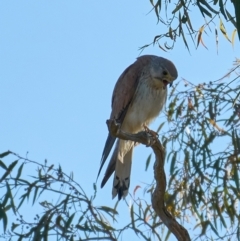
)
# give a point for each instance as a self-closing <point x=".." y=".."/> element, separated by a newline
<point x="204" y="155"/>
<point x="179" y="18"/>
<point x="66" y="211"/>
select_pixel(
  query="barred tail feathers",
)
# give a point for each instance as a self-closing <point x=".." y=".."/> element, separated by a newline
<point x="121" y="181"/>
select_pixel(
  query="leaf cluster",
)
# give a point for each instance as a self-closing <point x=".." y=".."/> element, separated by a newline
<point x="203" y="146"/>
<point x="181" y="20"/>
<point x="64" y="211"/>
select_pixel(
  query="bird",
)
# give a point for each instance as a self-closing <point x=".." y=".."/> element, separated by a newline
<point x="138" y="97"/>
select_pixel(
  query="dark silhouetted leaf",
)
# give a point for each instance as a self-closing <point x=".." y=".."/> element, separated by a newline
<point x="148" y="162"/>
<point x="3" y="217"/>
<point x="5" y="154"/>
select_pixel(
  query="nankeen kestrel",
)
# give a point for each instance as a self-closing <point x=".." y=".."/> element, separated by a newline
<point x="138" y="97"/>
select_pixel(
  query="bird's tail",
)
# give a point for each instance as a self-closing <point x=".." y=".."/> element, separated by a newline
<point x="121" y="181"/>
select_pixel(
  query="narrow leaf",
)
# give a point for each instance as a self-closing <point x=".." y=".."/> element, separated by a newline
<point x="5" y="154"/>
<point x="172" y="166"/>
<point x="19" y="171"/>
<point x="50" y="168"/>
<point x="3" y="217"/>
<point x="160" y="127"/>
<point x="108" y="210"/>
<point x="233" y="36"/>
<point x="162" y="48"/>
<point x="11" y="198"/>
<point x="14" y="225"/>
<point x="148" y="162"/>
<point x="69" y="221"/>
<point x="132" y="217"/>
<point x="2" y="165"/>
<point x="222" y="9"/>
<point x="177" y="8"/>
<point x="9" y="169"/>
<point x="208" y="6"/>
<point x="223" y="30"/>
<point x="231" y="18"/>
<point x="204" y="10"/>
<point x="200" y="35"/>
<point x="237" y="14"/>
<point x="216" y="36"/>
<point x="35" y="195"/>
<point x="184" y="39"/>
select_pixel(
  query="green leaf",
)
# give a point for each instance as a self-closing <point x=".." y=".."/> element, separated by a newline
<point x="66" y="202"/>
<point x="3" y="217"/>
<point x="35" y="195"/>
<point x="145" y="216"/>
<point x="236" y="177"/>
<point x="237" y="14"/>
<point x="216" y="207"/>
<point x="82" y="228"/>
<point x="177" y="8"/>
<point x="222" y="9"/>
<point x="160" y="127"/>
<point x="214" y="230"/>
<point x="168" y="235"/>
<point x="22" y="200"/>
<point x="231" y="18"/>
<point x="132" y="217"/>
<point x="6" y="197"/>
<point x="14" y="225"/>
<point x="3" y="165"/>
<point x="172" y="165"/>
<point x="208" y="6"/>
<point x="204" y="11"/>
<point x="69" y="221"/>
<point x="11" y="198"/>
<point x="159" y="5"/>
<point x="184" y="39"/>
<point x="148" y="162"/>
<point x="108" y="210"/>
<point x="9" y="169"/>
<point x="5" y="154"/>
<point x="19" y="171"/>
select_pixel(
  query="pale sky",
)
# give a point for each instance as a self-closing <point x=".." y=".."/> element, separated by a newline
<point x="59" y="63"/>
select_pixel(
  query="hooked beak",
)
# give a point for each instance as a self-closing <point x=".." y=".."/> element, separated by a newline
<point x="166" y="82"/>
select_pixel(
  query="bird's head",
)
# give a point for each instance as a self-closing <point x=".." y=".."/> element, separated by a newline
<point x="163" y="72"/>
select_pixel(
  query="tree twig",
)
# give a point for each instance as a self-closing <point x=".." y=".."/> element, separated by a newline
<point x="159" y="174"/>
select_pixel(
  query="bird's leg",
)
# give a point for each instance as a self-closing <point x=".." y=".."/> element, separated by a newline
<point x="153" y="133"/>
<point x="153" y="136"/>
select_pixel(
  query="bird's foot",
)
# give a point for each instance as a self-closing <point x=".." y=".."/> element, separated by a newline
<point x="152" y="135"/>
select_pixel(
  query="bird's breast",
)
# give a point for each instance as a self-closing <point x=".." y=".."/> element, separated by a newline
<point x="146" y="106"/>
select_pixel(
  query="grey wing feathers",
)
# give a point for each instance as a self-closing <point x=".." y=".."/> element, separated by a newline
<point x="111" y="166"/>
<point x="107" y="148"/>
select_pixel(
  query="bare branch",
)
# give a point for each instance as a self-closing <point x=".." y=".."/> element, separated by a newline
<point x="159" y="174"/>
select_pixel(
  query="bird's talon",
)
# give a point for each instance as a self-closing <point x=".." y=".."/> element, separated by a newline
<point x="150" y="132"/>
<point x="150" y="140"/>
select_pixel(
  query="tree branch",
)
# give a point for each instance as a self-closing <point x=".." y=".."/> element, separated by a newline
<point x="159" y="174"/>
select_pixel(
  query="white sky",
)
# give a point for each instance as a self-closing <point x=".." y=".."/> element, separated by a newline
<point x="58" y="66"/>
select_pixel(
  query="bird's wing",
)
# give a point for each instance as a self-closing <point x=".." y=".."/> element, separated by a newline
<point x="126" y="86"/>
<point x="123" y="94"/>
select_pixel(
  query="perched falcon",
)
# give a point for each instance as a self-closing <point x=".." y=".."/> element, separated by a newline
<point x="138" y="97"/>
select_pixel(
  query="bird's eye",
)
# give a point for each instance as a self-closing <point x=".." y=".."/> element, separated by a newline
<point x="165" y="72"/>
